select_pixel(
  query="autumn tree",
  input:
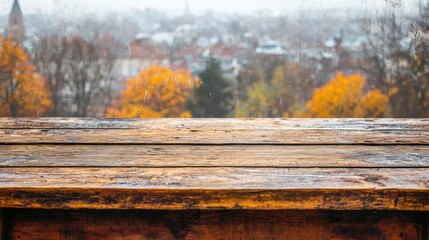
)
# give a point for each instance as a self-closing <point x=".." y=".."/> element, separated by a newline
<point x="90" y="77"/>
<point x="419" y="62"/>
<point x="22" y="92"/>
<point x="257" y="103"/>
<point x="213" y="97"/>
<point x="78" y="72"/>
<point x="155" y="93"/>
<point x="398" y="59"/>
<point x="284" y="94"/>
<point x="290" y="89"/>
<point x="344" y="97"/>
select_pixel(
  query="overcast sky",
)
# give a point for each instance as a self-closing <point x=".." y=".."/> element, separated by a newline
<point x="273" y="7"/>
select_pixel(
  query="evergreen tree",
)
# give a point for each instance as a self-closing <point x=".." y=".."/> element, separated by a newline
<point x="213" y="98"/>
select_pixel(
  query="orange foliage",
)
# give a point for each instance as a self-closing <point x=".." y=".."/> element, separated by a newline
<point x="155" y="93"/>
<point x="22" y="93"/>
<point x="344" y="96"/>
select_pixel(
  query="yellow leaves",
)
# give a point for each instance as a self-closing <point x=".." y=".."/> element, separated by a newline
<point x="22" y="93"/>
<point x="374" y="104"/>
<point x="284" y="95"/>
<point x="257" y="104"/>
<point x="343" y="96"/>
<point x="393" y="91"/>
<point x="186" y="114"/>
<point x="155" y="93"/>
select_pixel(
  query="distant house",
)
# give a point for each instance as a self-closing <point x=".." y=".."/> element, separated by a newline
<point x="142" y="54"/>
<point x="271" y="51"/>
<point x="273" y="48"/>
<point x="228" y="62"/>
<point x="193" y="58"/>
<point x="188" y="57"/>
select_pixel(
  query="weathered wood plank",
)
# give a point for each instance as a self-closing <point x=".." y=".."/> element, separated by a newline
<point x="215" y="164"/>
<point x="217" y="178"/>
<point x="217" y="124"/>
<point x="220" y="137"/>
<point x="215" y="188"/>
<point x="215" y="131"/>
<point x="213" y="156"/>
<point x="57" y="224"/>
<point x="188" y="199"/>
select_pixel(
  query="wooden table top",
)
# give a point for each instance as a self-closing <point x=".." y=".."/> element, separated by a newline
<point x="175" y="164"/>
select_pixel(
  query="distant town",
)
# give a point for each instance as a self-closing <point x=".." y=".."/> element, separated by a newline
<point x="149" y="38"/>
<point x="320" y="42"/>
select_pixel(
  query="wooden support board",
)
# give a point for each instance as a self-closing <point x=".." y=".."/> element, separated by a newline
<point x="184" y="164"/>
<point x="230" y="224"/>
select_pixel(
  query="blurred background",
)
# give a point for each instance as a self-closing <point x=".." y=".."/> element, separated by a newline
<point x="214" y="58"/>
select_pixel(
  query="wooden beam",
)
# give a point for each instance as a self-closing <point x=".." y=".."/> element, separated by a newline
<point x="215" y="188"/>
<point x="237" y="224"/>
<point x="217" y="123"/>
<point x="192" y="131"/>
<point x="216" y="178"/>
<point x="214" y="156"/>
<point x="161" y="199"/>
<point x="175" y="164"/>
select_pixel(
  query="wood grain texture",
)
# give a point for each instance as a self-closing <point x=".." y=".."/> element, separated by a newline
<point x="215" y="131"/>
<point x="194" y="199"/>
<point x="216" y="178"/>
<point x="217" y="123"/>
<point x="215" y="188"/>
<point x="175" y="164"/>
<point x="401" y="156"/>
<point x="294" y="225"/>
